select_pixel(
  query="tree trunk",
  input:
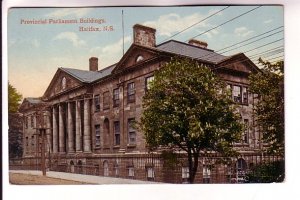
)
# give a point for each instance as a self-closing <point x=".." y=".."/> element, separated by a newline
<point x="193" y="165"/>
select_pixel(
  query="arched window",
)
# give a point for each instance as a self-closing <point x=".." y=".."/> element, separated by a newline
<point x="105" y="168"/>
<point x="139" y="58"/>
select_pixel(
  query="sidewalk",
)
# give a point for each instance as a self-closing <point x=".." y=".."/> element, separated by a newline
<point x="84" y="178"/>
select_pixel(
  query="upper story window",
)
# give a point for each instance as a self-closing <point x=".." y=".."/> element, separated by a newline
<point x="139" y="58"/>
<point x="245" y="95"/>
<point x="27" y="141"/>
<point x="131" y="131"/>
<point x="32" y="121"/>
<point x="130" y="92"/>
<point x="116" y="97"/>
<point x="97" y="103"/>
<point x="239" y="93"/>
<point x="117" y="133"/>
<point x="26" y="122"/>
<point x="64" y="83"/>
<point x="97" y="135"/>
<point x="236" y="92"/>
<point x="105" y="100"/>
<point x="148" y="82"/>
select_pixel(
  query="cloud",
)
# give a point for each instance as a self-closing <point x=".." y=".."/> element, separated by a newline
<point x="72" y="37"/>
<point x="110" y="54"/>
<point x="169" y="24"/>
<point x="268" y="21"/>
<point x="78" y="12"/>
<point x="243" y="31"/>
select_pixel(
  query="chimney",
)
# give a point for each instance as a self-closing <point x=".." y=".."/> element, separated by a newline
<point x="198" y="43"/>
<point x="93" y="64"/>
<point x="144" y="35"/>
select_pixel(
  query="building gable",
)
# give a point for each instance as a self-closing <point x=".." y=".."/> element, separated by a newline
<point x="239" y="63"/>
<point x="135" y="55"/>
<point x="61" y="83"/>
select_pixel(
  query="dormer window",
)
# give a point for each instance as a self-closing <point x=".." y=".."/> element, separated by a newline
<point x="139" y="58"/>
<point x="63" y="83"/>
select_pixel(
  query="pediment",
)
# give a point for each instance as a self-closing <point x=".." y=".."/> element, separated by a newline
<point x="61" y="83"/>
<point x="239" y="63"/>
<point x="135" y="55"/>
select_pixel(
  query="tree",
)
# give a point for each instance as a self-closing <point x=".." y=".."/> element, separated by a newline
<point x="14" y="99"/>
<point x="187" y="107"/>
<point x="269" y="111"/>
<point x="266" y="173"/>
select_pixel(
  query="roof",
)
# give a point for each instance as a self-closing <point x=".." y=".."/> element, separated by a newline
<point x="33" y="100"/>
<point x="191" y="51"/>
<point x="89" y="76"/>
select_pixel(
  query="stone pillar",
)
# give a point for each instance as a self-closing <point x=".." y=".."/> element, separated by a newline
<point x="48" y="132"/>
<point x="55" y="131"/>
<point x="78" y="127"/>
<point x="61" y="129"/>
<point x="70" y="129"/>
<point x="87" y="127"/>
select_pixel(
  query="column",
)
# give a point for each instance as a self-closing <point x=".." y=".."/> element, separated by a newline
<point x="55" y="131"/>
<point x="87" y="127"/>
<point x="48" y="132"/>
<point x="78" y="127"/>
<point x="70" y="129"/>
<point x="61" y="128"/>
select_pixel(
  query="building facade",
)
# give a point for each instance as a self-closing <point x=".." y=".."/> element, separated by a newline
<point x="89" y="114"/>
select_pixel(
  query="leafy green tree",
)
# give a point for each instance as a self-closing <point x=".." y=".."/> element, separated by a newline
<point x="266" y="173"/>
<point x="14" y="99"/>
<point x="187" y="107"/>
<point x="269" y="110"/>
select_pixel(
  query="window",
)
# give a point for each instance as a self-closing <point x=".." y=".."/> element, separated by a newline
<point x="32" y="141"/>
<point x="131" y="171"/>
<point x="27" y="141"/>
<point x="116" y="98"/>
<point x="185" y="174"/>
<point x="237" y="94"/>
<point x="245" y="95"/>
<point x="32" y="121"/>
<point x="206" y="174"/>
<point x="97" y="103"/>
<point x="26" y="122"/>
<point x="105" y="100"/>
<point x="150" y="173"/>
<point x="139" y="58"/>
<point x="130" y="92"/>
<point x="117" y="133"/>
<point x="246" y="131"/>
<point x="148" y="81"/>
<point x="131" y="131"/>
<point x="97" y="135"/>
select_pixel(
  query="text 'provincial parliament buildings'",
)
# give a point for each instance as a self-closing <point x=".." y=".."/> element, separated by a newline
<point x="90" y="114"/>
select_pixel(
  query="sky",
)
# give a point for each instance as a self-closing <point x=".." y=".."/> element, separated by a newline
<point x="36" y="51"/>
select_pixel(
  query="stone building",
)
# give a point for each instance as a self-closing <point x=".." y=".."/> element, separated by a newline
<point x="90" y="112"/>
